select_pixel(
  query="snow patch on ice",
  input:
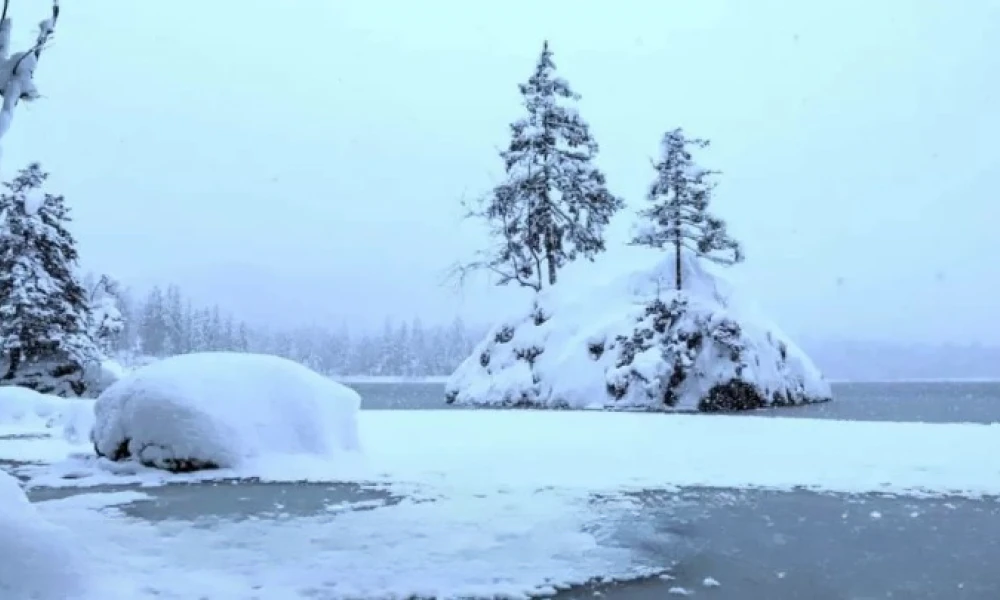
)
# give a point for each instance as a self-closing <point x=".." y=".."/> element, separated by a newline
<point x="226" y="410"/>
<point x="459" y="547"/>
<point x="610" y="339"/>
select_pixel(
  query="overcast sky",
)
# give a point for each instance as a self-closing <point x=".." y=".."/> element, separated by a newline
<point x="305" y="160"/>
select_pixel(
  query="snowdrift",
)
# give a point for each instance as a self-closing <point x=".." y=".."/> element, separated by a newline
<point x="601" y="338"/>
<point x="40" y="561"/>
<point x="27" y="409"/>
<point x="223" y="410"/>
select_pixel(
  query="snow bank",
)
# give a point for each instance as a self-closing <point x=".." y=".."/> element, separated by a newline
<point x="38" y="560"/>
<point x="23" y="410"/>
<point x="606" y="339"/>
<point x="223" y="409"/>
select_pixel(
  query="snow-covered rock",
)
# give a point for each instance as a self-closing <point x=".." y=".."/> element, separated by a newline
<point x="221" y="409"/>
<point x="38" y="560"/>
<point x="601" y="338"/>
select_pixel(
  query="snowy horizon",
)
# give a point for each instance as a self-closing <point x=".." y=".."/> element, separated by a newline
<point x="317" y="177"/>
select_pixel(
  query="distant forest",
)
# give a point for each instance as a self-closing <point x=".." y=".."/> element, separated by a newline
<point x="165" y="322"/>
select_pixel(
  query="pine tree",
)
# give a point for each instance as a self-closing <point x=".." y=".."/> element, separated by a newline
<point x="679" y="215"/>
<point x="107" y="323"/>
<point x="418" y="349"/>
<point x="242" y="341"/>
<point x="174" y="340"/>
<point x="44" y="310"/>
<point x="153" y="325"/>
<point x="554" y="204"/>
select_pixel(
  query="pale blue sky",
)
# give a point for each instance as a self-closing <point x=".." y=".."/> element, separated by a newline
<point x="322" y="147"/>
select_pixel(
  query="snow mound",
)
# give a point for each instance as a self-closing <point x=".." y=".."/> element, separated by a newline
<point x="223" y="410"/>
<point x="31" y="411"/>
<point x="601" y="338"/>
<point x="41" y="561"/>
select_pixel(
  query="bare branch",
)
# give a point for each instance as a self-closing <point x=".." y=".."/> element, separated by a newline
<point x="46" y="29"/>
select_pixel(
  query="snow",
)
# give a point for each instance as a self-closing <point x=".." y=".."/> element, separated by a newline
<point x="225" y="409"/>
<point x="458" y="547"/>
<point x="41" y="561"/>
<point x="449" y="450"/>
<point x="23" y="409"/>
<point x="544" y="353"/>
<point x="490" y="503"/>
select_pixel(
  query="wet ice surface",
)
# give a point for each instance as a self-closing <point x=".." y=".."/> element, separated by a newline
<point x="236" y="501"/>
<point x="802" y="545"/>
<point x="753" y="544"/>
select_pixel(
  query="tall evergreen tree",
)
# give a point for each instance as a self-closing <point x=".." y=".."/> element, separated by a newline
<point x="107" y="323"/>
<point x="174" y="339"/>
<point x="679" y="215"/>
<point x="44" y="310"/>
<point x="554" y="203"/>
<point x="153" y="324"/>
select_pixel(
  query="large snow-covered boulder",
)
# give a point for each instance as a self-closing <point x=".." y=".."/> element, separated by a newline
<point x="220" y="409"/>
<point x="38" y="560"/>
<point x="601" y="338"/>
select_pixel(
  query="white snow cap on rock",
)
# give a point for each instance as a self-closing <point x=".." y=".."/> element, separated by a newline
<point x="608" y="337"/>
<point x="38" y="560"/>
<point x="224" y="409"/>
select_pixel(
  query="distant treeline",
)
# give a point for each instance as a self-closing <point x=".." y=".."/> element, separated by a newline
<point x="165" y="323"/>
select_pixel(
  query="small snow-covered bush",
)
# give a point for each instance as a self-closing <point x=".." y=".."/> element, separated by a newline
<point x="38" y="560"/>
<point x="629" y="340"/>
<point x="220" y="409"/>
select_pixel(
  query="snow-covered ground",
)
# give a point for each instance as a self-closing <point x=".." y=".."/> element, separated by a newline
<point x="492" y="502"/>
<point x="476" y="451"/>
<point x="38" y="560"/>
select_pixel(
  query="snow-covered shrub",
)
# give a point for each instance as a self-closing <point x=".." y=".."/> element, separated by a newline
<point x="38" y="560"/>
<point x="221" y="409"/>
<point x="100" y="376"/>
<point x="631" y="341"/>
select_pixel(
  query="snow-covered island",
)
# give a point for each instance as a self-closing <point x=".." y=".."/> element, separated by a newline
<point x="601" y="339"/>
<point x="665" y="334"/>
<point x="223" y="410"/>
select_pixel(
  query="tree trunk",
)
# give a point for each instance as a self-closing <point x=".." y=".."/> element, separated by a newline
<point x="677" y="263"/>
<point x="15" y="363"/>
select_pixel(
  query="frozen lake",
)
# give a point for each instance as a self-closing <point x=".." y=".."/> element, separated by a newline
<point x="754" y="543"/>
<point x="977" y="402"/>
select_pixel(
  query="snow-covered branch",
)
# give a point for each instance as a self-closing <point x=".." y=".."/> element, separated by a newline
<point x="17" y="71"/>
